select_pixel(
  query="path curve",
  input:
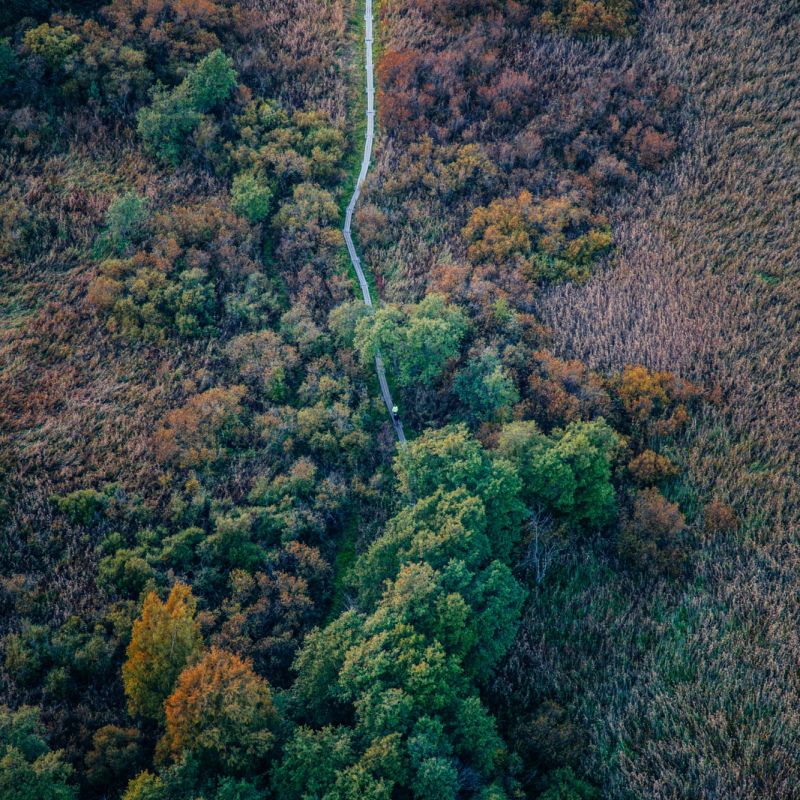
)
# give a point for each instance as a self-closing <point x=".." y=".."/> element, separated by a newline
<point x="348" y="220"/>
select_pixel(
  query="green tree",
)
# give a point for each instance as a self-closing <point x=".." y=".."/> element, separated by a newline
<point x="450" y="458"/>
<point x="83" y="506"/>
<point x="27" y="653"/>
<point x="311" y="761"/>
<point x="588" y="449"/>
<point x="318" y="664"/>
<point x="476" y="737"/>
<point x="8" y="62"/>
<point x="210" y="83"/>
<point x="28" y="769"/>
<point x="231" y="545"/>
<point x="496" y="600"/>
<point x="165" y="639"/>
<point x="422" y="598"/>
<point x="484" y="389"/>
<point x="568" y="472"/>
<point x="343" y="320"/>
<point x="126" y="219"/>
<point x="126" y="572"/>
<point x="435" y="779"/>
<point x="441" y="609"/>
<point x="417" y="341"/>
<point x="397" y="656"/>
<point x="564" y="785"/>
<point x="234" y="789"/>
<point x="188" y="780"/>
<point x="436" y="530"/>
<point x="433" y="336"/>
<point x="167" y="124"/>
<point x="545" y="477"/>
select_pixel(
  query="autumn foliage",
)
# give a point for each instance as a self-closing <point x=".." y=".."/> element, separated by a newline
<point x="222" y="713"/>
<point x="164" y="640"/>
<point x="220" y="578"/>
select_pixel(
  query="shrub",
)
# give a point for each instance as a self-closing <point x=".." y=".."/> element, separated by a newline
<point x="52" y="43"/>
<point x="125" y="223"/>
<point x="556" y="239"/>
<point x="200" y="433"/>
<point x="249" y="198"/>
<point x="590" y="17"/>
<point x="283" y="149"/>
<point x="719" y="517"/>
<point x="650" y="539"/>
<point x="654" y="401"/>
<point x="197" y="267"/>
<point x="305" y="225"/>
<point x="648" y="468"/>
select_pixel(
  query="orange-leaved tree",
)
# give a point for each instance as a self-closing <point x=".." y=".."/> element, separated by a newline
<point x="222" y="712"/>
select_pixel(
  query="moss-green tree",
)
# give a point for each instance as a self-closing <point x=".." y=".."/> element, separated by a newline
<point x="53" y="43"/>
<point x="250" y="198"/>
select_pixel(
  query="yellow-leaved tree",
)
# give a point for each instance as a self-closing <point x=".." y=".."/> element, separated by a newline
<point x="166" y="638"/>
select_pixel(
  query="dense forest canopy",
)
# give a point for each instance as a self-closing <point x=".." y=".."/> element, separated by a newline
<point x="221" y="577"/>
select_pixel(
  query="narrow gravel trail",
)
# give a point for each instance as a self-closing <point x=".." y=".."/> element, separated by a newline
<point x="348" y="220"/>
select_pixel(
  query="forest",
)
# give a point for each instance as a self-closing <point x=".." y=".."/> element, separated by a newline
<point x="221" y="575"/>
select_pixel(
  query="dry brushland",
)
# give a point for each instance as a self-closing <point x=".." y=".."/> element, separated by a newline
<point x="222" y="577"/>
